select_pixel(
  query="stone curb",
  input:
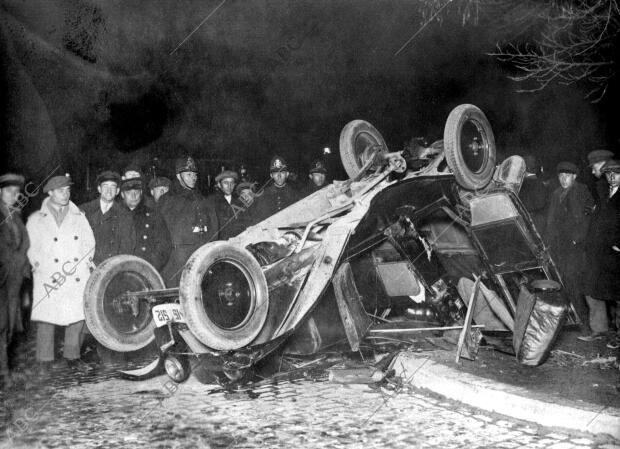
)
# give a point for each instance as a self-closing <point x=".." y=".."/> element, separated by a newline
<point x="505" y="399"/>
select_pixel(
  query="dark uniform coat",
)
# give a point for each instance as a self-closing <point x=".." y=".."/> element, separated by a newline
<point x="14" y="268"/>
<point x="114" y="231"/>
<point x="231" y="217"/>
<point x="603" y="262"/>
<point x="191" y="223"/>
<point x="565" y="234"/>
<point x="273" y="200"/>
<point x="153" y="241"/>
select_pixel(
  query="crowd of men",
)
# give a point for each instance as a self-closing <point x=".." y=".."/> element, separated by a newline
<point x="581" y="226"/>
<point x="61" y="242"/>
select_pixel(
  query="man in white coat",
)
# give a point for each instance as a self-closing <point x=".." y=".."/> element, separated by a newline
<point x="62" y="246"/>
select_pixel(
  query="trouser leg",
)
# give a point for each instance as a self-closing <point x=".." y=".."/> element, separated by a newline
<point x="73" y="333"/>
<point x="45" y="342"/>
<point x="598" y="315"/>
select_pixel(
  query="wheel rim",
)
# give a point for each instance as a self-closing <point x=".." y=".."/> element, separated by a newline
<point x="228" y="294"/>
<point x="474" y="145"/>
<point x="117" y="307"/>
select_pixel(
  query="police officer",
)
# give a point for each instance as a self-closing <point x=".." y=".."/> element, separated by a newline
<point x="566" y="231"/>
<point x="14" y="266"/>
<point x="278" y="195"/>
<point x="190" y="220"/>
<point x="227" y="205"/>
<point x="111" y="223"/>
<point x="153" y="242"/>
<point x="317" y="176"/>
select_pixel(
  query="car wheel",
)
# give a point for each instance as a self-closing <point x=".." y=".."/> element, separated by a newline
<point x="358" y="140"/>
<point x="469" y="147"/>
<point x="224" y="296"/>
<point x="109" y="318"/>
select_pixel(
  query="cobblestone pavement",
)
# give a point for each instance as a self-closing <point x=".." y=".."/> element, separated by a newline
<point x="110" y="412"/>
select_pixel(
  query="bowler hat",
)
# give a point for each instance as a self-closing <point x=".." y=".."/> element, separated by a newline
<point x="227" y="174"/>
<point x="11" y="179"/>
<point x="599" y="156"/>
<point x="108" y="175"/>
<point x="160" y="181"/>
<point x="57" y="182"/>
<point x="185" y="163"/>
<point x="612" y="165"/>
<point x="567" y="167"/>
<point x="277" y="164"/>
<point x="318" y="167"/>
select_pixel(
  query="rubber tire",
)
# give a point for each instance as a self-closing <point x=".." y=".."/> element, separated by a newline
<point x="465" y="177"/>
<point x="190" y="292"/>
<point x="348" y="137"/>
<point x="96" y="286"/>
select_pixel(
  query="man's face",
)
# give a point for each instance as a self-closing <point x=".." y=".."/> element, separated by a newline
<point x="596" y="168"/>
<point x="188" y="179"/>
<point x="566" y="179"/>
<point x="317" y="178"/>
<point x="60" y="197"/>
<point x="108" y="191"/>
<point x="613" y="178"/>
<point x="132" y="197"/>
<point x="9" y="195"/>
<point x="157" y="192"/>
<point x="279" y="177"/>
<point x="227" y="186"/>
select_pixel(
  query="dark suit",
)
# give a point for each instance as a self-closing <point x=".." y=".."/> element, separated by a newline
<point x="565" y="233"/>
<point x="114" y="231"/>
<point x="153" y="242"/>
<point x="230" y="216"/>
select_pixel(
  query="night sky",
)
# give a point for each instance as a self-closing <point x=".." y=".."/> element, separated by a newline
<point x="101" y="84"/>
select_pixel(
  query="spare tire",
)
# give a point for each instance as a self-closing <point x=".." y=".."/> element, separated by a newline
<point x="358" y="141"/>
<point x="111" y="323"/>
<point x="224" y="296"/>
<point x="470" y="147"/>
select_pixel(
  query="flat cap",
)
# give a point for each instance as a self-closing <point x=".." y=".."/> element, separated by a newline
<point x="57" y="182"/>
<point x="599" y="156"/>
<point x="277" y="164"/>
<point x="160" y="181"/>
<point x="318" y="167"/>
<point x="108" y="175"/>
<point x="227" y="174"/>
<point x="11" y="179"/>
<point x="132" y="171"/>
<point x="131" y="184"/>
<point x="612" y="165"/>
<point x="185" y="163"/>
<point x="567" y="167"/>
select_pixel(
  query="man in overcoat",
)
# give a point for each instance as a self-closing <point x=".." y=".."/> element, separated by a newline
<point x="603" y="256"/>
<point x="111" y="223"/>
<point x="279" y="194"/>
<point x="153" y="242"/>
<point x="566" y="231"/>
<point x="61" y="251"/>
<point x="14" y="266"/>
<point x="190" y="220"/>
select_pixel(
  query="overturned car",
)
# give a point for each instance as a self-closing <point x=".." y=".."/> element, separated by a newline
<point x="406" y="235"/>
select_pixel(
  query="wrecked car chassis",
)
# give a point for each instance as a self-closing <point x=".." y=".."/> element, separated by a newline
<point x="389" y="241"/>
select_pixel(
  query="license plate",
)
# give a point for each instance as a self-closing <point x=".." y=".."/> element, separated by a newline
<point x="167" y="313"/>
